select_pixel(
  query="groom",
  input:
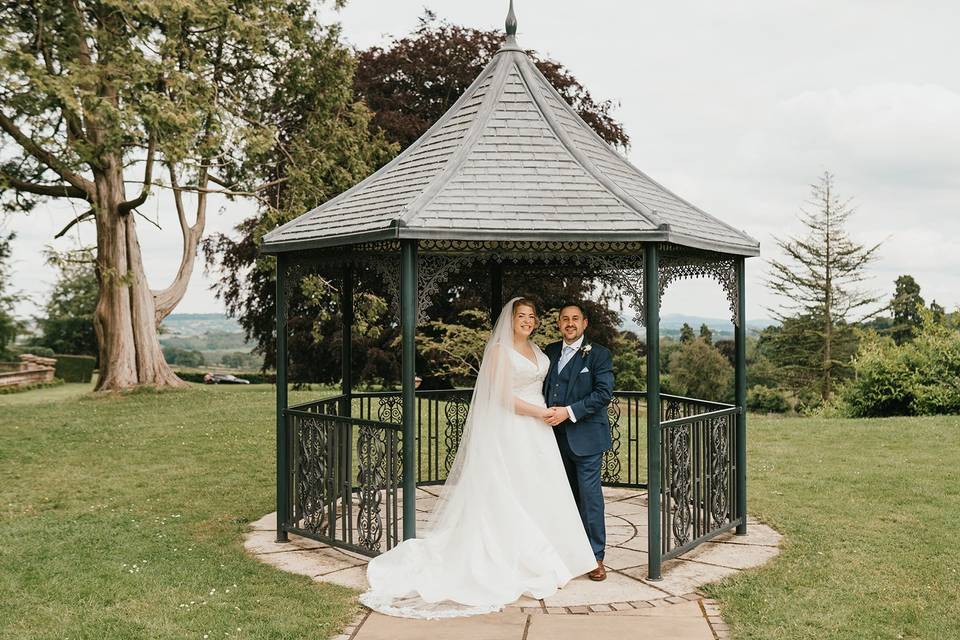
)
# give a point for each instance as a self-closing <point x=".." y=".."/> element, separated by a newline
<point x="578" y="388"/>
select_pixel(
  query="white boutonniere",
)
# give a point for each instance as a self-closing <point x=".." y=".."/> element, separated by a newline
<point x="585" y="349"/>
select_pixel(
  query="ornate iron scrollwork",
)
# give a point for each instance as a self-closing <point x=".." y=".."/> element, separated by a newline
<point x="680" y="486"/>
<point x="723" y="270"/>
<point x="391" y="410"/>
<point x="313" y="485"/>
<point x="610" y="465"/>
<point x="455" y="412"/>
<point x="432" y="271"/>
<point x="672" y="411"/>
<point x="719" y="470"/>
<point x="371" y="452"/>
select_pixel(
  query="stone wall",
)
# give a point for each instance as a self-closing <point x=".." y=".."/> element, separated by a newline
<point x="32" y="369"/>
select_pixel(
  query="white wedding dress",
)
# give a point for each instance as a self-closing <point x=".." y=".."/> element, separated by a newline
<point x="505" y="524"/>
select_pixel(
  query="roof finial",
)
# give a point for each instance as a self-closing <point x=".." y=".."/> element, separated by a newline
<point x="511" y="22"/>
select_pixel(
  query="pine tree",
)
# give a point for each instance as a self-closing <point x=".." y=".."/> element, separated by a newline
<point x="819" y="282"/>
<point x="686" y="334"/>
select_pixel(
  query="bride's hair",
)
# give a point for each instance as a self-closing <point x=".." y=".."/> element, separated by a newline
<point x="525" y="302"/>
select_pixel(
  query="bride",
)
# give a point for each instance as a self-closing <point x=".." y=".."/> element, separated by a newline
<point x="505" y="523"/>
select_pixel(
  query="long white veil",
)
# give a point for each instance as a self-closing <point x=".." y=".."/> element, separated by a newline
<point x="491" y="407"/>
<point x="446" y="572"/>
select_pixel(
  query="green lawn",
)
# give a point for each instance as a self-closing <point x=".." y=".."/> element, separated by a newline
<point x="122" y="517"/>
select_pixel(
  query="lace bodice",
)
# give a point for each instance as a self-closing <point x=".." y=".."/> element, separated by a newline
<point x="527" y="377"/>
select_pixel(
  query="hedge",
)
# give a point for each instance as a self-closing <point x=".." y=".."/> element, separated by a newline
<point x="56" y="382"/>
<point x="75" y="368"/>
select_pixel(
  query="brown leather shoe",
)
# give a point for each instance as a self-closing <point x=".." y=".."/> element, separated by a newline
<point x="598" y="574"/>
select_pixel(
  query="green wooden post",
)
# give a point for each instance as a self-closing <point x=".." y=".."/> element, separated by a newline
<point x="496" y="290"/>
<point x="651" y="305"/>
<point x="740" y="339"/>
<point x="346" y="338"/>
<point x="408" y="322"/>
<point x="283" y="454"/>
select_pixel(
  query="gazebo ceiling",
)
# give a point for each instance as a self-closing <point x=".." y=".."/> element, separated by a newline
<point x="510" y="160"/>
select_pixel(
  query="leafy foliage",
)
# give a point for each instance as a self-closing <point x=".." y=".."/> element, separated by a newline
<point x="766" y="400"/>
<point x="906" y="305"/>
<point x="183" y="357"/>
<point x="415" y="79"/>
<point x="9" y="326"/>
<point x="920" y="377"/>
<point x="67" y="324"/>
<point x="698" y="370"/>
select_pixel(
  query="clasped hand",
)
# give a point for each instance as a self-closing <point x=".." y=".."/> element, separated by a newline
<point x="555" y="415"/>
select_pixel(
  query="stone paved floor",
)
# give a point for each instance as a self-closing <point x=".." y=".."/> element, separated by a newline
<point x="624" y="606"/>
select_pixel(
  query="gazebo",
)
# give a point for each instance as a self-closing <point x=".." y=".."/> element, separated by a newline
<point x="509" y="181"/>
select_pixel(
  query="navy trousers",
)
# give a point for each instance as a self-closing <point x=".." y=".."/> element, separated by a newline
<point x="583" y="472"/>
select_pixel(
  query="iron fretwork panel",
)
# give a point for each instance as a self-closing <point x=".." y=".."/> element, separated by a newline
<point x="313" y="478"/>
<point x="698" y="473"/>
<point x="721" y="269"/>
<point x="371" y="453"/>
<point x="610" y="465"/>
<point x="455" y="413"/>
<point x="331" y="503"/>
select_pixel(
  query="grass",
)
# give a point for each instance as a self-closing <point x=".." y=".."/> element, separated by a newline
<point x="871" y="514"/>
<point x="122" y="517"/>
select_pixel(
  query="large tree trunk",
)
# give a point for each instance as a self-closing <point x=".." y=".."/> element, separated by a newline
<point x="125" y="318"/>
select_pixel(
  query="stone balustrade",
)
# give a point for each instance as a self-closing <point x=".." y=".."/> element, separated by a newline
<point x="31" y="370"/>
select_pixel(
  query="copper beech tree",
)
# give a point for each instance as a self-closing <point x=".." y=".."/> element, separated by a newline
<point x="107" y="102"/>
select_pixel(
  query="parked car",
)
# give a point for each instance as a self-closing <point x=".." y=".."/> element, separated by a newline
<point x="223" y="378"/>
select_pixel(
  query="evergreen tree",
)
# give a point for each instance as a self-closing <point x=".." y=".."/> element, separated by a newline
<point x="819" y="284"/>
<point x="906" y="305"/>
<point x="686" y="334"/>
<point x="705" y="334"/>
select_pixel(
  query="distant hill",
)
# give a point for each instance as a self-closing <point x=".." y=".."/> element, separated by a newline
<point x="671" y="323"/>
<point x="197" y="324"/>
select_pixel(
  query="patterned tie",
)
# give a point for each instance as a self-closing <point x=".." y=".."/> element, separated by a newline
<point x="565" y="357"/>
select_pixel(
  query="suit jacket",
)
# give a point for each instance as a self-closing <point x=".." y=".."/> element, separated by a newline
<point x="586" y="386"/>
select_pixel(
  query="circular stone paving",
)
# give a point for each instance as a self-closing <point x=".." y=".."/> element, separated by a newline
<point x="625" y="591"/>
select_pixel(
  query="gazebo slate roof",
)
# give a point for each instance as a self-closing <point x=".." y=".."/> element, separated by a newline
<point x="510" y="160"/>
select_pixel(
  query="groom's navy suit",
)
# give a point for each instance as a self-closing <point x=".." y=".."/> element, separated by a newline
<point x="585" y="384"/>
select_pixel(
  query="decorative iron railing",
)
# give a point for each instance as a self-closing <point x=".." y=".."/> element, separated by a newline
<point x="346" y="466"/>
<point x="698" y="474"/>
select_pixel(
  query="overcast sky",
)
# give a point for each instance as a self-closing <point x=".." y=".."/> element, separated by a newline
<point x="737" y="107"/>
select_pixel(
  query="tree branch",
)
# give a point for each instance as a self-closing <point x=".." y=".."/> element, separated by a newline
<point x="80" y="218"/>
<point x="166" y="300"/>
<point x="51" y="190"/>
<point x="46" y="157"/>
<point x="129" y="205"/>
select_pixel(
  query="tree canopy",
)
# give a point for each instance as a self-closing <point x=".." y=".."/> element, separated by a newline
<point x="180" y="95"/>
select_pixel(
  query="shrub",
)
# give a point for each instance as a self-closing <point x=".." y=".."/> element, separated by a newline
<point x="921" y="377"/>
<point x="767" y="400"/>
<point x="698" y="370"/>
<point x="19" y="350"/>
<point x="72" y="368"/>
<point x="56" y="382"/>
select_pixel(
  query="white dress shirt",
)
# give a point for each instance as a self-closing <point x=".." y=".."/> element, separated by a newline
<point x="564" y="359"/>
